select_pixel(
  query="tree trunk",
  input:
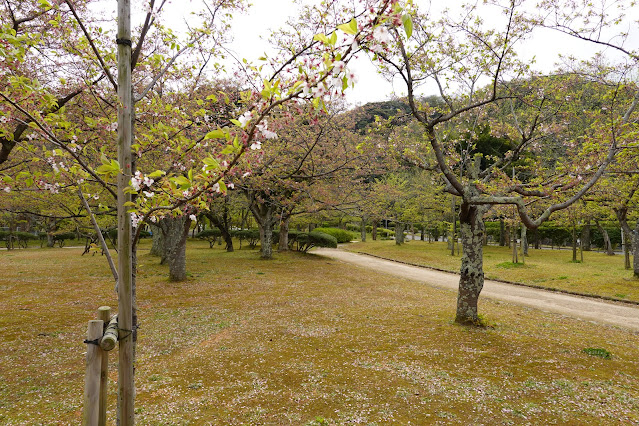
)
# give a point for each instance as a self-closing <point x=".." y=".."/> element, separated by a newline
<point x="157" y="248"/>
<point x="524" y="240"/>
<point x="635" y="250"/>
<point x="502" y="233"/>
<point x="607" y="243"/>
<point x="374" y="231"/>
<point x="399" y="233"/>
<point x="471" y="279"/>
<point x="630" y="233"/>
<point x="224" y="225"/>
<point x="585" y="237"/>
<point x="175" y="231"/>
<point x="284" y="225"/>
<point x="513" y="231"/>
<point x="266" y="239"/>
<point x="363" y="229"/>
<point x="574" y="243"/>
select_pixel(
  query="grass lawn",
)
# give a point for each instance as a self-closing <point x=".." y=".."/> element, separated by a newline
<point x="599" y="274"/>
<point x="301" y="340"/>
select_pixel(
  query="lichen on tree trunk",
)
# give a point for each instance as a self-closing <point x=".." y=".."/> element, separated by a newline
<point x="471" y="280"/>
<point x="157" y="247"/>
<point x="266" y="238"/>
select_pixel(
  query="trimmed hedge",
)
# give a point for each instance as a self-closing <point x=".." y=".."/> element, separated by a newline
<point x="21" y="238"/>
<point x="306" y="241"/>
<point x="252" y="236"/>
<point x="340" y="235"/>
<point x="210" y="235"/>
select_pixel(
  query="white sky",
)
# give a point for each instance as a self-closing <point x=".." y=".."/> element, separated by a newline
<point x="250" y="42"/>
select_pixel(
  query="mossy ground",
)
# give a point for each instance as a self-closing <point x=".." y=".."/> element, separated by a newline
<point x="599" y="274"/>
<point x="299" y="340"/>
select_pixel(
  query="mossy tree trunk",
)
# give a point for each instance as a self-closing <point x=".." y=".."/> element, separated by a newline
<point x="471" y="280"/>
<point x="266" y="237"/>
<point x="374" y="231"/>
<point x="175" y="231"/>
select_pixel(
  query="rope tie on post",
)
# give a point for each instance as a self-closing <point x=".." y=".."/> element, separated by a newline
<point x="123" y="41"/>
<point x="92" y="342"/>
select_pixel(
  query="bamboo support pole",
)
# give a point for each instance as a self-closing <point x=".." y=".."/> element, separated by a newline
<point x="104" y="314"/>
<point x="92" y="374"/>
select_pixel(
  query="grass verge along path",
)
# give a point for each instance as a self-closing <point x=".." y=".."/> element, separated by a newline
<point x="599" y="274"/>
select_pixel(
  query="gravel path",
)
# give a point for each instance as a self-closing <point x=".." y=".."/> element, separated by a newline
<point x="610" y="313"/>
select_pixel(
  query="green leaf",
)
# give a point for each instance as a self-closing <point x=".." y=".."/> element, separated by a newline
<point x="236" y="122"/>
<point x="181" y="181"/>
<point x="408" y="25"/>
<point x="156" y="174"/>
<point x="211" y="163"/>
<point x="321" y="37"/>
<point x="216" y="134"/>
<point x="333" y="39"/>
<point x="222" y="186"/>
<point x="350" y="28"/>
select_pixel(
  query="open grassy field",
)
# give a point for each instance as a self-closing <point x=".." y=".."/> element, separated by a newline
<point x="599" y="274"/>
<point x="301" y="340"/>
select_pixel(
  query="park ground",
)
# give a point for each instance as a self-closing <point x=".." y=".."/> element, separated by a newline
<point x="303" y="339"/>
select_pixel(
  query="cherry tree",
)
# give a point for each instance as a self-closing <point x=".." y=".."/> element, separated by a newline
<point x="476" y="70"/>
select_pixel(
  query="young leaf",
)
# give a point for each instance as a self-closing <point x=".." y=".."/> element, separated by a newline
<point x="215" y="134"/>
<point x="408" y="25"/>
<point x="350" y="28"/>
<point x="321" y="37"/>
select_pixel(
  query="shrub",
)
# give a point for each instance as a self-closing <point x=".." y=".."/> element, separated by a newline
<point x="21" y="238"/>
<point x="210" y="235"/>
<point x="340" y="235"/>
<point x="385" y="233"/>
<point x="306" y="241"/>
<point x="252" y="236"/>
<point x="353" y="227"/>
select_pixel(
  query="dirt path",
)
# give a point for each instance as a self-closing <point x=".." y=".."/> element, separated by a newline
<point x="578" y="307"/>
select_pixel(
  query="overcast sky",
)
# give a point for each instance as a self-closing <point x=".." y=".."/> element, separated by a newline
<point x="251" y="41"/>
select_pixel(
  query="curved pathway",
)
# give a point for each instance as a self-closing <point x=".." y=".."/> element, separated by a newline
<point x="595" y="310"/>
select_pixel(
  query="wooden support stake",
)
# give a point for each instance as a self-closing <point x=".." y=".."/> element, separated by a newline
<point x="104" y="314"/>
<point x="92" y="375"/>
<point x="126" y="385"/>
<point x="110" y="337"/>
